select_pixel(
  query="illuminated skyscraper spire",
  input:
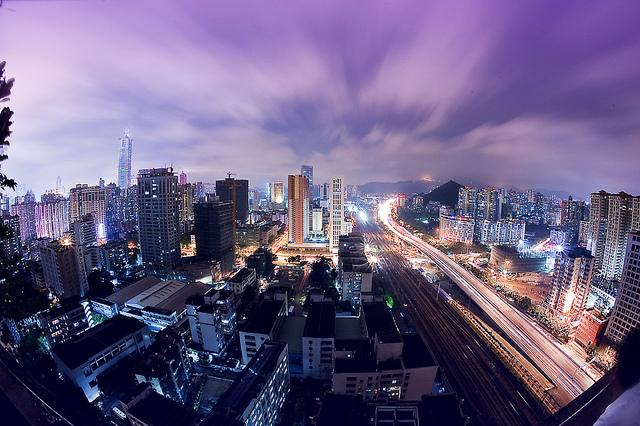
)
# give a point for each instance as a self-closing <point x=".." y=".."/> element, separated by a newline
<point x="124" y="161"/>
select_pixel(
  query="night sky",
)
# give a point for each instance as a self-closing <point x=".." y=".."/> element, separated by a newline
<point x="541" y="94"/>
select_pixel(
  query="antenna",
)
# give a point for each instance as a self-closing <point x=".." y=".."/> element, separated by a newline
<point x="229" y="174"/>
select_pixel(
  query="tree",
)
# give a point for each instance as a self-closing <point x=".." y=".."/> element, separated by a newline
<point x="5" y="131"/>
<point x="18" y="300"/>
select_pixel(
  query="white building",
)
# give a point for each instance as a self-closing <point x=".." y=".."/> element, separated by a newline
<point x="212" y="321"/>
<point x="625" y="315"/>
<point x="263" y="324"/>
<point x="93" y="352"/>
<point x="238" y="282"/>
<point x="503" y="232"/>
<point x="318" y="340"/>
<point x="337" y="224"/>
<point x="572" y="275"/>
<point x="457" y="229"/>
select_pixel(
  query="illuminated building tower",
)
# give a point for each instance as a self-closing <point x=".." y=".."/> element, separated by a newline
<point x="277" y="192"/>
<point x="84" y="200"/>
<point x="307" y="171"/>
<point x="10" y="246"/>
<point x="337" y="224"/>
<point x="298" y="208"/>
<point x="187" y="194"/>
<point x="214" y="231"/>
<point x="236" y="191"/>
<point x="182" y="179"/>
<point x="25" y="209"/>
<point x="572" y="274"/>
<point x="52" y="216"/>
<point x="124" y="161"/>
<point x="625" y="315"/>
<point x="158" y="218"/>
<point x="597" y="231"/>
<point x="623" y="216"/>
<point x="63" y="270"/>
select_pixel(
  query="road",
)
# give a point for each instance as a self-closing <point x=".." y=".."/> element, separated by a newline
<point x="491" y="394"/>
<point x="542" y="349"/>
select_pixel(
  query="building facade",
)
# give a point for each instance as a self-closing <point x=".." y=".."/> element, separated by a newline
<point x="298" y="209"/>
<point x="572" y="276"/>
<point x="337" y="226"/>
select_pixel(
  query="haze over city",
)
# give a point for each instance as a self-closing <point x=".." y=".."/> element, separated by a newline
<point x="541" y="95"/>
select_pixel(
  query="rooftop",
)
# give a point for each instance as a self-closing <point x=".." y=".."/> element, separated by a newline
<point x="380" y="322"/>
<point x="93" y="341"/>
<point x="291" y="333"/>
<point x="321" y="321"/>
<point x="170" y="296"/>
<point x="157" y="410"/>
<point x="241" y="275"/>
<point x="126" y="293"/>
<point x="262" y="318"/>
<point x="414" y="352"/>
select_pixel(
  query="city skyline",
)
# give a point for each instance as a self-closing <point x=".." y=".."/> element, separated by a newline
<point x="531" y="100"/>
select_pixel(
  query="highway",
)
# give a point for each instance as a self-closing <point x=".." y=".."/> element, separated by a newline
<point x="491" y="394"/>
<point x="542" y="349"/>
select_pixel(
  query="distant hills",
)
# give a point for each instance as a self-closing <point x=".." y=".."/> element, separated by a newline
<point x="406" y="186"/>
<point x="446" y="194"/>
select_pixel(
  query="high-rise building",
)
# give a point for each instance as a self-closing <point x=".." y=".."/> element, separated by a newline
<point x="623" y="217"/>
<point x="355" y="275"/>
<point x="572" y="275"/>
<point x="182" y="178"/>
<point x="52" y="216"/>
<point x="277" y="192"/>
<point x="84" y="200"/>
<point x="64" y="270"/>
<point x="124" y="161"/>
<point x="337" y="224"/>
<point x="187" y="194"/>
<point x="454" y="228"/>
<point x="10" y="246"/>
<point x="25" y="209"/>
<point x="214" y="231"/>
<point x="236" y="191"/>
<point x="158" y="218"/>
<point x="625" y="315"/>
<point x="298" y="208"/>
<point x="307" y="171"/>
<point x="84" y="231"/>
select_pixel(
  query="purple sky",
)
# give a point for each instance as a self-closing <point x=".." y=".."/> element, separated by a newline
<point x="541" y="93"/>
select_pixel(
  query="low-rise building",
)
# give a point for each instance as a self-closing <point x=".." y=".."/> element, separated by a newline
<point x="242" y="279"/>
<point x="318" y="341"/>
<point x="510" y="260"/>
<point x="257" y="396"/>
<point x="88" y="355"/>
<point x="591" y="328"/>
<point x="60" y="324"/>
<point x="263" y="324"/>
<point x="148" y="408"/>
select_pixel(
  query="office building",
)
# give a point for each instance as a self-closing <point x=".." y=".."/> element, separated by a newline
<point x="298" y="209"/>
<point x="572" y="276"/>
<point x="95" y="351"/>
<point x="307" y="171"/>
<point x="625" y="315"/>
<point x="158" y="218"/>
<point x="237" y="192"/>
<point x="337" y="225"/>
<point x="454" y="228"/>
<point x="263" y="324"/>
<point x="214" y="231"/>
<point x="623" y="217"/>
<point x="63" y="268"/>
<point x="186" y="193"/>
<point x="258" y="395"/>
<point x="182" y="178"/>
<point x="166" y="366"/>
<point x="355" y="275"/>
<point x="124" y="161"/>
<point x="277" y="192"/>
<point x="212" y="322"/>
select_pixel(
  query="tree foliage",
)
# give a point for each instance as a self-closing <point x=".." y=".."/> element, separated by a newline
<point x="5" y="131"/>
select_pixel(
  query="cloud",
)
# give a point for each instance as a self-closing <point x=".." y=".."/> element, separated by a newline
<point x="542" y="94"/>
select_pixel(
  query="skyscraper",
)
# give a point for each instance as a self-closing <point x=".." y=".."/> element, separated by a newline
<point x="298" y="208"/>
<point x="182" y="179"/>
<point x="214" y="231"/>
<point x="84" y="200"/>
<point x="625" y="315"/>
<point x="623" y="216"/>
<point x="307" y="171"/>
<point x="158" y="217"/>
<point x="277" y="192"/>
<point x="124" y="161"/>
<point x="337" y="224"/>
<point x="572" y="274"/>
<point x="236" y="191"/>
<point x="597" y="232"/>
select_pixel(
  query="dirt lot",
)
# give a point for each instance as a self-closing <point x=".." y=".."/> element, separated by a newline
<point x="534" y="285"/>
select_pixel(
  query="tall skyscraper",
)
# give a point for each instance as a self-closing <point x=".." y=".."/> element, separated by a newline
<point x="182" y="179"/>
<point x="124" y="161"/>
<point x="236" y="191"/>
<point x="10" y="246"/>
<point x="187" y="193"/>
<point x="64" y="271"/>
<point x="277" y="192"/>
<point x="307" y="171"/>
<point x="158" y="218"/>
<point x="572" y="275"/>
<point x="625" y="315"/>
<point x="298" y="208"/>
<point x="337" y="224"/>
<point x="597" y="232"/>
<point x="623" y="217"/>
<point x="52" y="216"/>
<point x="214" y="231"/>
